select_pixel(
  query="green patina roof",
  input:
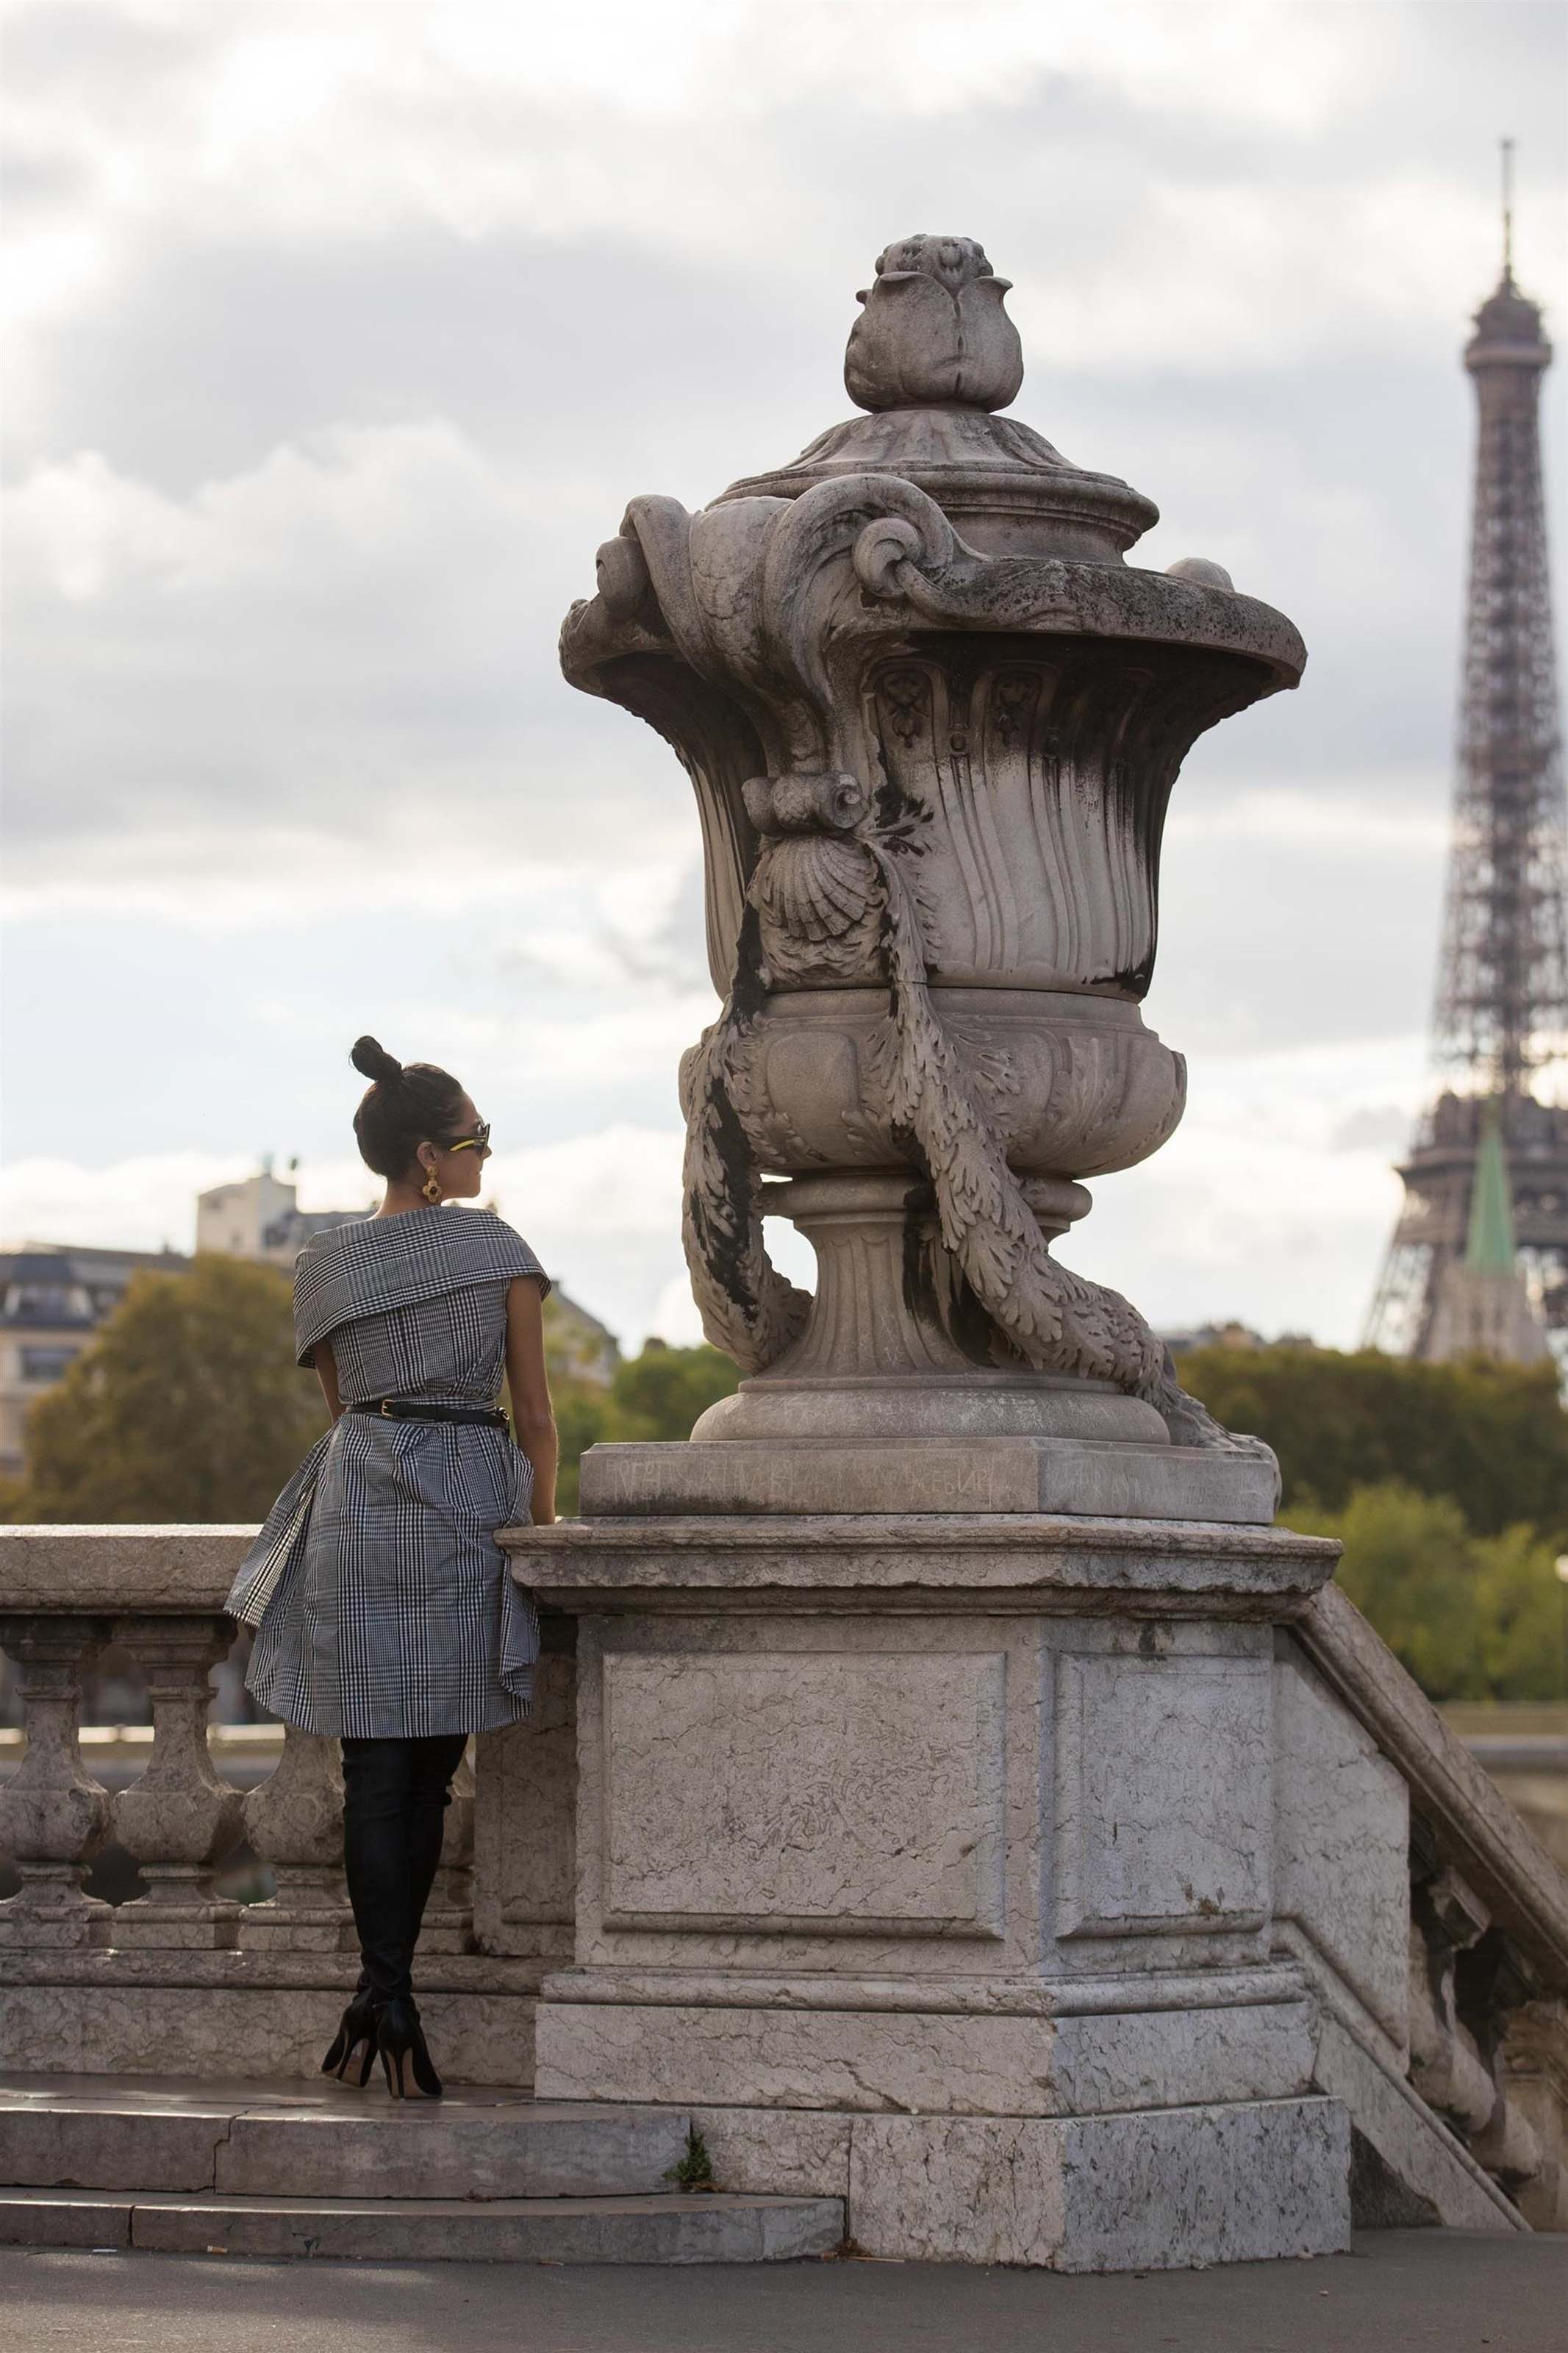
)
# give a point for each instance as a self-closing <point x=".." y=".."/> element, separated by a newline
<point x="1489" y="1247"/>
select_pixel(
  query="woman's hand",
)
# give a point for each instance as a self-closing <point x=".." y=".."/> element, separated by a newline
<point x="533" y="1416"/>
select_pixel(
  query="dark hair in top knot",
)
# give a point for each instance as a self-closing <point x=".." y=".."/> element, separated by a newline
<point x="369" y="1055"/>
<point x="407" y="1105"/>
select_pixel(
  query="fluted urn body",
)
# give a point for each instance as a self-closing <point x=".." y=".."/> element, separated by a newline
<point x="932" y="719"/>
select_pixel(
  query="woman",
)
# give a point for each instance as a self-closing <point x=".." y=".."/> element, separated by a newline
<point x="383" y="1608"/>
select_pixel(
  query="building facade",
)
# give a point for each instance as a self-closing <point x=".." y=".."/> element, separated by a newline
<point x="53" y="1298"/>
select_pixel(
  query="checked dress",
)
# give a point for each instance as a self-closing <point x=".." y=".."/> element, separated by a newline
<point x="381" y="1601"/>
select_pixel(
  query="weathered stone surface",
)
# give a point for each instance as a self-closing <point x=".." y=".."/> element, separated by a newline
<point x="937" y="2063"/>
<point x="669" y="2229"/>
<point x="1522" y="1887"/>
<point x="943" y="1992"/>
<point x="1186" y="2186"/>
<point x="107" y="2028"/>
<point x="52" y="2218"/>
<point x="655" y="2230"/>
<point x="294" y="1820"/>
<point x="117" y="1568"/>
<point x="1415" y="2145"/>
<point x="974" y="1474"/>
<point x="53" y="1814"/>
<point x="1342" y="1838"/>
<point x="1025" y="1561"/>
<point x="800" y="1789"/>
<point x="765" y="1791"/>
<point x="781" y="1894"/>
<point x="1163" y="1779"/>
<point x="109" y="2145"/>
<point x="179" y="1820"/>
<point x="500" y="2152"/>
<point x="525" y="1834"/>
<point x="785" y="2152"/>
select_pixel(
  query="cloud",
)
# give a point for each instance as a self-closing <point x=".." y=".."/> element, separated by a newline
<point x="1267" y="1203"/>
<point x="343" y="337"/>
<point x="602" y="1209"/>
<point x="391" y="573"/>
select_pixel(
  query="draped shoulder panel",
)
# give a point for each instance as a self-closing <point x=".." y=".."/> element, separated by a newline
<point x="377" y="1263"/>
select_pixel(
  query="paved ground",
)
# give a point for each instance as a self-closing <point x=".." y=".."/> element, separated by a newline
<point x="1400" y="2292"/>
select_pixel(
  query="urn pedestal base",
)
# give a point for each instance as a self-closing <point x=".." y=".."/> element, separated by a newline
<point x="1099" y="1478"/>
<point x="928" y="1859"/>
<point x="895" y="1349"/>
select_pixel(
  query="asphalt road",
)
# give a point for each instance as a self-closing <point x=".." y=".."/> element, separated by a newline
<point x="1399" y="2292"/>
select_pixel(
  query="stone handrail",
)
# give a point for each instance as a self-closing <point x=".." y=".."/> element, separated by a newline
<point x="1479" y="1831"/>
<point x="1486" y="2043"/>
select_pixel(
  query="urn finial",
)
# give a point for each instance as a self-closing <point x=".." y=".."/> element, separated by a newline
<point x="935" y="330"/>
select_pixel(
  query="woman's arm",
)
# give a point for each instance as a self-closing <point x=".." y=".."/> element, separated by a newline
<point x="326" y="1366"/>
<point x="533" y="1416"/>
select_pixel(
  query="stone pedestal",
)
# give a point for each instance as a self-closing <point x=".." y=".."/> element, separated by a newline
<point x="933" y="1854"/>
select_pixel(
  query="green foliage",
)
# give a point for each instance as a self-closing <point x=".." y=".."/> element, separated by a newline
<point x="1472" y="1617"/>
<point x="664" y="1390"/>
<point x="693" y="2170"/>
<point x="1493" y="1437"/>
<point x="657" y="1394"/>
<point x="186" y="1406"/>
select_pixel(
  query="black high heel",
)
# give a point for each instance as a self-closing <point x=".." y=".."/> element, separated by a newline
<point x="401" y="2042"/>
<point x="356" y="2025"/>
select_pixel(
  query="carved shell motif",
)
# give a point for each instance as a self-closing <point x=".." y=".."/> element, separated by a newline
<point x="816" y="891"/>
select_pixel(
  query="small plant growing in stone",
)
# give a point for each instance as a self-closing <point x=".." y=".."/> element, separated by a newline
<point x="693" y="2170"/>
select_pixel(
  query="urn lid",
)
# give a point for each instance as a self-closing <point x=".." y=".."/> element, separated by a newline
<point x="932" y="357"/>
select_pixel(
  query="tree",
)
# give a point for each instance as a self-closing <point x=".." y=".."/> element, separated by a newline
<point x="1494" y="1437"/>
<point x="186" y="1406"/>
<point x="657" y="1394"/>
<point x="1471" y="1616"/>
<point x="664" y="1389"/>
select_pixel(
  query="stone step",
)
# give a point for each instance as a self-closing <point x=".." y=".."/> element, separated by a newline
<point x="254" y="2140"/>
<point x="669" y="2228"/>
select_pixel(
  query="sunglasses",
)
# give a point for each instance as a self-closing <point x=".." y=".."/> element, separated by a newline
<point x="478" y="1142"/>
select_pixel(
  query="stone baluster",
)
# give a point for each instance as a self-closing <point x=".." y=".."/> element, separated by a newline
<point x="449" y="1915"/>
<point x="1535" y="2081"/>
<point x="295" y="1822"/>
<point x="1455" y="2048"/>
<point x="180" y="1820"/>
<point x="53" y="1815"/>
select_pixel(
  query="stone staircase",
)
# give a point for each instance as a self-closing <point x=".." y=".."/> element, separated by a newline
<point x="246" y="2169"/>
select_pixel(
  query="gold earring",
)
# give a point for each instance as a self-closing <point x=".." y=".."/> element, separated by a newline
<point x="431" y="1188"/>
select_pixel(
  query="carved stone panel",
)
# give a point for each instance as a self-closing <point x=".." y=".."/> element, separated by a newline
<point x="1163" y="1819"/>
<point x="804" y="1792"/>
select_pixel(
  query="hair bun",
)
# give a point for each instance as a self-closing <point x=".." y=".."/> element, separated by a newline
<point x="371" y="1058"/>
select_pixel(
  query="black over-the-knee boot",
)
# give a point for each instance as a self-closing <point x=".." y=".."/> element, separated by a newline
<point x="432" y="1765"/>
<point x="376" y="1778"/>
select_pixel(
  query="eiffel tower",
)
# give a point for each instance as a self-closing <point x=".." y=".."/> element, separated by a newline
<point x="1501" y="1022"/>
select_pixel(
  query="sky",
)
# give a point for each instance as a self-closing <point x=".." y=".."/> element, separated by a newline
<point x="341" y="335"/>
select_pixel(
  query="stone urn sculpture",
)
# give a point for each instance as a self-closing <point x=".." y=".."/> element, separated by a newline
<point x="932" y="718"/>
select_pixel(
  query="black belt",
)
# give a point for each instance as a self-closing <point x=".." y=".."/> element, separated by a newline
<point x="426" y="1410"/>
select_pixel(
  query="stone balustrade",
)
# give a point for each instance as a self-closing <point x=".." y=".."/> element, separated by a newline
<point x="182" y="1978"/>
<point x="1480" y="2035"/>
<point x="1431" y="1929"/>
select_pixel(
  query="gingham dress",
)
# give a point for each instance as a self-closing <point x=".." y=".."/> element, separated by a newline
<point x="381" y="1601"/>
